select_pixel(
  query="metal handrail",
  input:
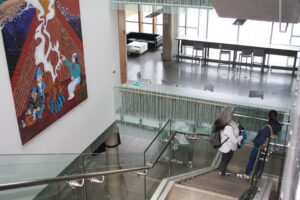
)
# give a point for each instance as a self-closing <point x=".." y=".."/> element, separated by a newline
<point x="23" y="184"/>
<point x="257" y="118"/>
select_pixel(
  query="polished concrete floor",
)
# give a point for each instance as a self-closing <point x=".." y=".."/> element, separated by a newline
<point x="277" y="85"/>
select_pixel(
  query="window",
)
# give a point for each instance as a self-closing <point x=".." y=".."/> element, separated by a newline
<point x="202" y="23"/>
<point x="279" y="37"/>
<point x="255" y="31"/>
<point x="192" y="19"/>
<point x="182" y="16"/>
<point x="206" y="24"/>
<point x="147" y="23"/>
<point x="159" y="24"/>
<point x="132" y="27"/>
<point x="136" y="19"/>
<point x="221" y="28"/>
<point x="132" y="18"/>
<point x="295" y="41"/>
<point x="295" y="38"/>
<point x="147" y="28"/>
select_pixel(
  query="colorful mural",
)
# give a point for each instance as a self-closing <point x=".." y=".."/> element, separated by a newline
<point x="44" y="51"/>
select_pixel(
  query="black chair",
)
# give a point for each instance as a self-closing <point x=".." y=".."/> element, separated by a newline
<point x="170" y="83"/>
<point x="256" y="94"/>
<point x="226" y="53"/>
<point x="258" y="53"/>
<point x="198" y="46"/>
<point x="245" y="54"/>
<point x="209" y="87"/>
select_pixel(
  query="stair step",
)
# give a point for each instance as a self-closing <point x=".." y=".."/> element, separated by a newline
<point x="179" y="192"/>
<point x="213" y="182"/>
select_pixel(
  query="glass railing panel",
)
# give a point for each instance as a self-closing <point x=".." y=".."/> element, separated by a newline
<point x="18" y="168"/>
<point x="157" y="103"/>
<point x="55" y="191"/>
<point x="157" y="145"/>
<point x="162" y="167"/>
<point x="125" y="186"/>
<point x="30" y="193"/>
<point x="276" y="154"/>
<point x="112" y="161"/>
<point x="191" y="127"/>
<point x="191" y="152"/>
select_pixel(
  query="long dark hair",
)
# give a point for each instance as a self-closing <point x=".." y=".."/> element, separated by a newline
<point x="224" y="118"/>
<point x="273" y="117"/>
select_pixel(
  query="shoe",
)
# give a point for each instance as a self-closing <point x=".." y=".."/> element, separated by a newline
<point x="70" y="97"/>
<point x="190" y="164"/>
<point x="243" y="176"/>
<point x="227" y="173"/>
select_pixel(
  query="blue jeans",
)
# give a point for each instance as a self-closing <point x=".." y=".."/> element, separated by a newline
<point x="251" y="160"/>
<point x="72" y="85"/>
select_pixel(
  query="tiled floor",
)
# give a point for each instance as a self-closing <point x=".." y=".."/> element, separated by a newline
<point x="277" y="85"/>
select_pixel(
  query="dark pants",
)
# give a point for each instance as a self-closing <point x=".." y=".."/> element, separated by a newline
<point x="226" y="157"/>
<point x="251" y="160"/>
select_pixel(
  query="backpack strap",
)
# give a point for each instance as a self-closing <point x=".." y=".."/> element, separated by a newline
<point x="227" y="137"/>
<point x="224" y="141"/>
<point x="271" y="129"/>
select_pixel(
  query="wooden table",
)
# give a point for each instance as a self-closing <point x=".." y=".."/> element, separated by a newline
<point x="271" y="49"/>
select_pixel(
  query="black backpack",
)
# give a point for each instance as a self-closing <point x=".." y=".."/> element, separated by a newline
<point x="215" y="138"/>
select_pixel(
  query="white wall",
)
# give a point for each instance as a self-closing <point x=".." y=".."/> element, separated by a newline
<point x="78" y="128"/>
<point x="82" y="125"/>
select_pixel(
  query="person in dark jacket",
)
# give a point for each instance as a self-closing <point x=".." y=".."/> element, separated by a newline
<point x="270" y="130"/>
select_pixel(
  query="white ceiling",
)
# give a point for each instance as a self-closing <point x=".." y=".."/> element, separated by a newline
<point x="266" y="10"/>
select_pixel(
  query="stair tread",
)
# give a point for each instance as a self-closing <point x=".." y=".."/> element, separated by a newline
<point x="227" y="185"/>
<point x="179" y="192"/>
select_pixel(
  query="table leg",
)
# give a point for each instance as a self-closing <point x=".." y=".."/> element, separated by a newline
<point x="204" y="58"/>
<point x="263" y="63"/>
<point x="207" y="55"/>
<point x="294" y="66"/>
<point x="178" y="45"/>
<point x="234" y="58"/>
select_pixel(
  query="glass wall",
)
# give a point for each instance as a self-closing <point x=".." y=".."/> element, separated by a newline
<point x="137" y="20"/>
<point x="206" y="24"/>
<point x="159" y="24"/>
<point x="221" y="28"/>
<point x="147" y="23"/>
<point x="132" y="18"/>
<point x="254" y="31"/>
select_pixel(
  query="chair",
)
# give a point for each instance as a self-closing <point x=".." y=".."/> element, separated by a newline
<point x="139" y="78"/>
<point x="226" y="53"/>
<point x="256" y="94"/>
<point x="170" y="83"/>
<point x="198" y="46"/>
<point x="139" y="75"/>
<point x="209" y="87"/>
<point x="261" y="54"/>
<point x="245" y="54"/>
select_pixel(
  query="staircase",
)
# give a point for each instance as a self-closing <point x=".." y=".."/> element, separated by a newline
<point x="209" y="186"/>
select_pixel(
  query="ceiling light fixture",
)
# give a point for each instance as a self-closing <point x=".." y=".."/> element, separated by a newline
<point x="239" y="22"/>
